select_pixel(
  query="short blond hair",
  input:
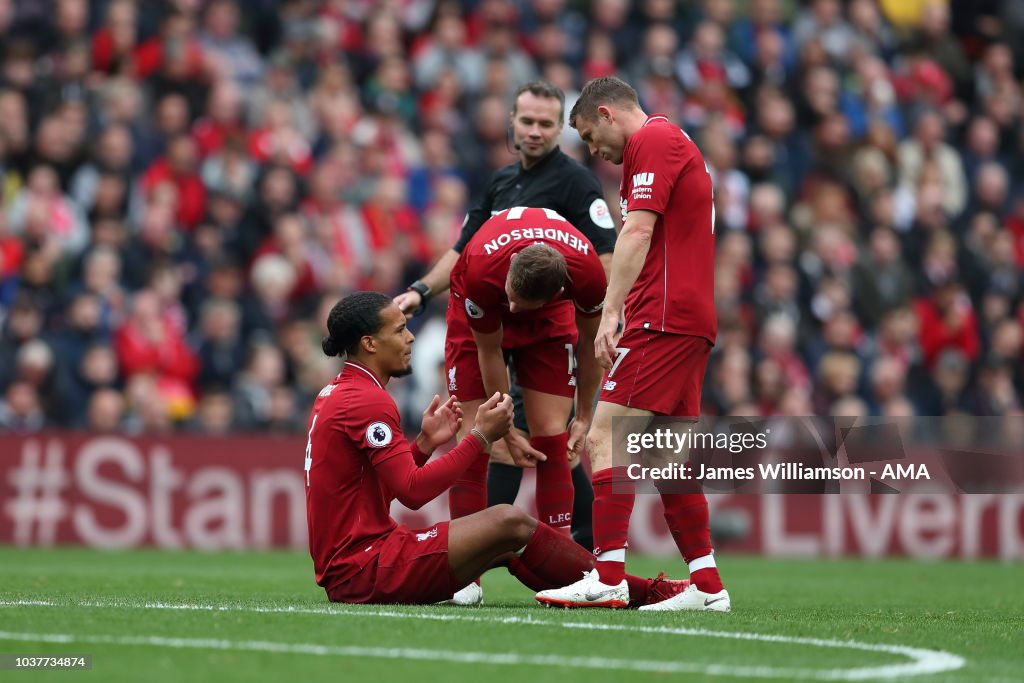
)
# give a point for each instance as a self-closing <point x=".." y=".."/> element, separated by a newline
<point x="601" y="91"/>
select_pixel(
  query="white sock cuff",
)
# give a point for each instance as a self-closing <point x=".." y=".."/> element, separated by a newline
<point x="706" y="562"/>
<point x="612" y="556"/>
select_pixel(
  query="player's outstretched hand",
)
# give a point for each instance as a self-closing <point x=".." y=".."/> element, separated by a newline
<point x="441" y="421"/>
<point x="408" y="302"/>
<point x="523" y="454"/>
<point x="607" y="338"/>
<point x="494" y="416"/>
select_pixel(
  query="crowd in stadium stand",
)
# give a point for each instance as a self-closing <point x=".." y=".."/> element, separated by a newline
<point x="186" y="186"/>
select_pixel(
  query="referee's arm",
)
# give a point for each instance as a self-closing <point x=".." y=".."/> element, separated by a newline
<point x="438" y="279"/>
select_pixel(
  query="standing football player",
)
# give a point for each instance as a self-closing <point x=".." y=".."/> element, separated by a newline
<point x="662" y="283"/>
<point x="544" y="176"/>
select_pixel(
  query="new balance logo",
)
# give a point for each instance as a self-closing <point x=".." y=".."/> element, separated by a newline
<point x="609" y="385"/>
<point x="427" y="534"/>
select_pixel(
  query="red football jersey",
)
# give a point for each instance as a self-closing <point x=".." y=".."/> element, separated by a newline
<point x="478" y="278"/>
<point x="354" y="426"/>
<point x="664" y="172"/>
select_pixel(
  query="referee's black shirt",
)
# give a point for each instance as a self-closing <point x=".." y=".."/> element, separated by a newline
<point x="556" y="182"/>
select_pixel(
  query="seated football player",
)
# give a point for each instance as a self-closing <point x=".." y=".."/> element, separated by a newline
<point x="357" y="462"/>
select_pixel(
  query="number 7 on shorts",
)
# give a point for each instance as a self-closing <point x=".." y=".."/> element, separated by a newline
<point x="620" y="354"/>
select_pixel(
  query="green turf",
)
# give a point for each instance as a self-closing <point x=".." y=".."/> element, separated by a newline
<point x="975" y="611"/>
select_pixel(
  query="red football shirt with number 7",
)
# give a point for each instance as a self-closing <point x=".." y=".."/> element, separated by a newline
<point x="664" y="172"/>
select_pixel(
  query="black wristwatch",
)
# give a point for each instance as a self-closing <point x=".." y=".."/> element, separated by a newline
<point x="421" y="288"/>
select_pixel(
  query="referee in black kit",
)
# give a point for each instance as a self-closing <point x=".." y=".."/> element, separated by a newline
<point x="544" y="177"/>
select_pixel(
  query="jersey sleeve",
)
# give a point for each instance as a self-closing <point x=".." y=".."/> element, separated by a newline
<point x="482" y="302"/>
<point x="588" y="286"/>
<point x="587" y="210"/>
<point x="476" y="217"/>
<point x="374" y="427"/>
<point x="657" y="160"/>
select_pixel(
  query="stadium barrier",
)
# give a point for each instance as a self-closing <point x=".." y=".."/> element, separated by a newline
<point x="247" y="492"/>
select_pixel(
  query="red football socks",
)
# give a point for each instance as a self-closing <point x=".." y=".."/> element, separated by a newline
<point x="554" y="482"/>
<point x="637" y="589"/>
<point x="687" y="518"/>
<point x="551" y="559"/>
<point x="612" y="509"/>
<point x="469" y="492"/>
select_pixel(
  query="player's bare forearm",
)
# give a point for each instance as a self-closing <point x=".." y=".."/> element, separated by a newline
<point x="492" y="362"/>
<point x="588" y="370"/>
<point x="628" y="259"/>
<point x="439" y="277"/>
<point x="606" y="263"/>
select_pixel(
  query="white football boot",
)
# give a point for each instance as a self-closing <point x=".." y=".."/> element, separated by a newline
<point x="693" y="599"/>
<point x="470" y="596"/>
<point x="587" y="592"/>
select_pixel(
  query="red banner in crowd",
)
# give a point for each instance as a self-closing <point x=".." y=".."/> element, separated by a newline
<point x="248" y="492"/>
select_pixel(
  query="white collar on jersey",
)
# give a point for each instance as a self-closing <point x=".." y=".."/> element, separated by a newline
<point x="654" y="118"/>
<point x="366" y="370"/>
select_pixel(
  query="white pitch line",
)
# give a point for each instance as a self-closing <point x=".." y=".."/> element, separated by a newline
<point x="922" y="661"/>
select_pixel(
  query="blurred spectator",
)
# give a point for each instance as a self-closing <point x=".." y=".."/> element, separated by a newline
<point x="215" y="413"/>
<point x="947" y="322"/>
<point x="46" y="217"/>
<point x="253" y="392"/>
<point x="185" y="190"/>
<point x="447" y="48"/>
<point x="882" y="280"/>
<point x="179" y="170"/>
<point x="95" y="371"/>
<point x="706" y="59"/>
<point x="229" y="54"/>
<point x="926" y="148"/>
<point x="20" y="410"/>
<point x="149" y="342"/>
<point x="23" y="324"/>
<point x="822" y="21"/>
<point x="105" y="412"/>
<point x="220" y="349"/>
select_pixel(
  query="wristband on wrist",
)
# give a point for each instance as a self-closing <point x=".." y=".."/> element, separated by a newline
<point x="480" y="435"/>
<point x="421" y="288"/>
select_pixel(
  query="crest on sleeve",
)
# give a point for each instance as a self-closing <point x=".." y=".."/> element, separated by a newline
<point x="378" y="434"/>
<point x="473" y="311"/>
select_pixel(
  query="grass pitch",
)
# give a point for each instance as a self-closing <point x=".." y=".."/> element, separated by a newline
<point x="160" y="616"/>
